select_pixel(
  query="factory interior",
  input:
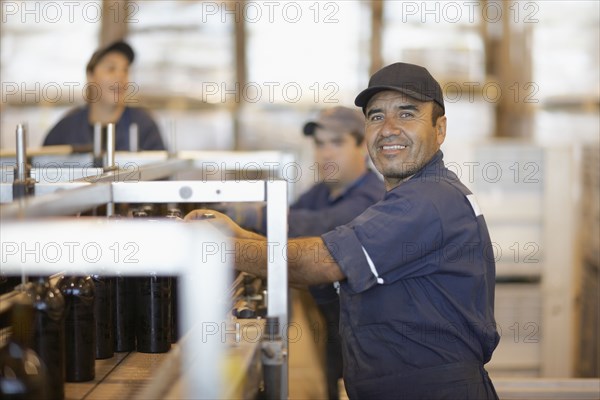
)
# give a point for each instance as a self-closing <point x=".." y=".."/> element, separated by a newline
<point x="229" y="86"/>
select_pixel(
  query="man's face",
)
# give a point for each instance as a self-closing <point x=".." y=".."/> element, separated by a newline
<point x="400" y="136"/>
<point x="110" y="77"/>
<point x="339" y="158"/>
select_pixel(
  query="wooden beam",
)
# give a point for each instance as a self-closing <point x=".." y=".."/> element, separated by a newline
<point x="376" y="35"/>
<point x="241" y="74"/>
<point x="508" y="68"/>
<point x="115" y="15"/>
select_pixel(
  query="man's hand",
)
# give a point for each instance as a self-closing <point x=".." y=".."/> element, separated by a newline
<point x="247" y="215"/>
<point x="221" y="222"/>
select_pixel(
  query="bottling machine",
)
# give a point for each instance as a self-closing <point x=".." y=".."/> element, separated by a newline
<point x="65" y="212"/>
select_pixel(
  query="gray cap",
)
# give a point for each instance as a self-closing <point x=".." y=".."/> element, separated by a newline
<point x="338" y="119"/>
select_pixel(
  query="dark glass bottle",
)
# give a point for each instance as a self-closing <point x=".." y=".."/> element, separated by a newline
<point x="124" y="314"/>
<point x="123" y="304"/>
<point x="23" y="374"/>
<point x="8" y="283"/>
<point x="80" y="329"/>
<point x="153" y="310"/>
<point x="49" y="331"/>
<point x="104" y="287"/>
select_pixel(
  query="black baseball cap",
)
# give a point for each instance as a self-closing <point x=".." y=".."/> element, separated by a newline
<point x="119" y="47"/>
<point x="409" y="79"/>
<point x="338" y="119"/>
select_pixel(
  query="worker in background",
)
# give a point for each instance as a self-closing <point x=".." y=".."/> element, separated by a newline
<point x="416" y="270"/>
<point x="345" y="188"/>
<point x="108" y="98"/>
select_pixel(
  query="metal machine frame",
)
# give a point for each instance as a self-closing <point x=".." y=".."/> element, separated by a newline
<point x="93" y="187"/>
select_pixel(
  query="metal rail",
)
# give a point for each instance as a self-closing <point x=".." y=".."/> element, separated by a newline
<point x="57" y="202"/>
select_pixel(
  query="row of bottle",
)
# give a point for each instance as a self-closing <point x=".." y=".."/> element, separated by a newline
<point x="76" y="322"/>
<point x="82" y="319"/>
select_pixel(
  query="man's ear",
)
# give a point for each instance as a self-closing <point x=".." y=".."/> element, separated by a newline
<point x="440" y="129"/>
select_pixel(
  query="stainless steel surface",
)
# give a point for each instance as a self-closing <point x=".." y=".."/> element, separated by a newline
<point x="160" y="170"/>
<point x="115" y="175"/>
<point x="110" y="145"/>
<point x="110" y="209"/>
<point x="110" y="155"/>
<point x="21" y="153"/>
<point x="57" y="203"/>
<point x="218" y="165"/>
<point x="132" y="173"/>
<point x="277" y="283"/>
<point x="53" y="175"/>
<point x="152" y="165"/>
<point x="140" y="158"/>
<point x="187" y="191"/>
<point x="6" y="196"/>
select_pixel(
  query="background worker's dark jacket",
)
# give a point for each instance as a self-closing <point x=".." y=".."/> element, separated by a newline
<point x="75" y="129"/>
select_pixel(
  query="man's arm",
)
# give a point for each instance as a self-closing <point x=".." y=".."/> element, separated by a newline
<point x="309" y="260"/>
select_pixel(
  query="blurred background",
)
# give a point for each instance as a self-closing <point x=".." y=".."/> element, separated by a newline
<point x="236" y="75"/>
<point x="521" y="83"/>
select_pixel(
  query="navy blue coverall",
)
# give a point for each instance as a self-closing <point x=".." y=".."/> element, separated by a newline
<point x="417" y="304"/>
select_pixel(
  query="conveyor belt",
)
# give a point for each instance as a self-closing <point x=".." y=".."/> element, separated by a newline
<point x="143" y="376"/>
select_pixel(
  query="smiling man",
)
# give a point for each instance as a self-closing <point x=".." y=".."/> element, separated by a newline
<point x="405" y="133"/>
<point x="345" y="188"/>
<point x="416" y="270"/>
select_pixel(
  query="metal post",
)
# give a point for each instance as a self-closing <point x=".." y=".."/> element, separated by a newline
<point x="97" y="147"/>
<point x="21" y="156"/>
<point x="110" y="146"/>
<point x="277" y="279"/>
<point x="23" y="185"/>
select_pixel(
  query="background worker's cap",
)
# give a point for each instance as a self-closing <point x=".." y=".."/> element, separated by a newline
<point x="409" y="79"/>
<point x="338" y="119"/>
<point x="119" y="47"/>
